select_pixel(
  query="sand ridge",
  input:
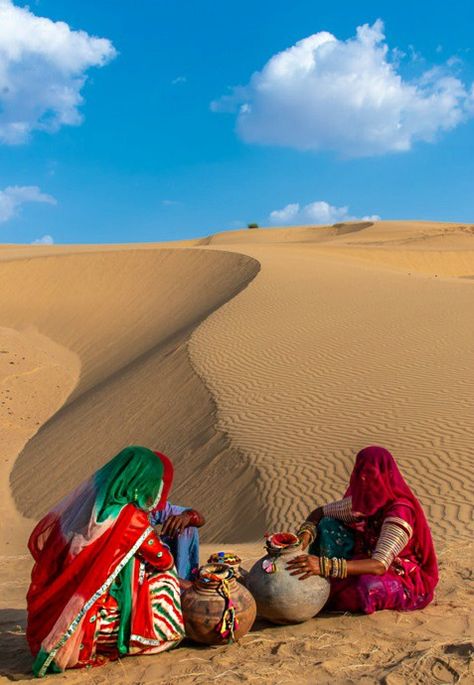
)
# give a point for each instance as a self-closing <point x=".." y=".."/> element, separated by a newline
<point x="318" y="358"/>
<point x="125" y="315"/>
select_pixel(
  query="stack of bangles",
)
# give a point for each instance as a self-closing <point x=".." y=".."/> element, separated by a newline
<point x="334" y="568"/>
<point x="307" y="527"/>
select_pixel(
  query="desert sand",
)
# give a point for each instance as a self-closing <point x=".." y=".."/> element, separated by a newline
<point x="261" y="361"/>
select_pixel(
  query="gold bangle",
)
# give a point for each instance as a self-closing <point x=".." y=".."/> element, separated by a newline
<point x="325" y="566"/>
<point x="310" y="527"/>
<point x="335" y="567"/>
<point x="307" y="527"/>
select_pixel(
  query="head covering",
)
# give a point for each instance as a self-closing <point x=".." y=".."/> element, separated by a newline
<point x="168" y="474"/>
<point x="376" y="481"/>
<point x="133" y="476"/>
<point x="376" y="485"/>
<point x="92" y="531"/>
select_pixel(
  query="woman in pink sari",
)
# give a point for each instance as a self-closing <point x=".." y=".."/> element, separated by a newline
<point x="374" y="545"/>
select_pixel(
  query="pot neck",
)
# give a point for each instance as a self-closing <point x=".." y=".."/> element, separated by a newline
<point x="213" y="586"/>
<point x="282" y="551"/>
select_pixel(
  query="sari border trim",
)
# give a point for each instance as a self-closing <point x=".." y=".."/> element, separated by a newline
<point x="105" y="586"/>
<point x="150" y="642"/>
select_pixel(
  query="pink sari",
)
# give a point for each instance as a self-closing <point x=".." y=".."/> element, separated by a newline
<point x="378" y="491"/>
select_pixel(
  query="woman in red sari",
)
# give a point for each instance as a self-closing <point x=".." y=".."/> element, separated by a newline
<point x="374" y="545"/>
<point x="103" y="584"/>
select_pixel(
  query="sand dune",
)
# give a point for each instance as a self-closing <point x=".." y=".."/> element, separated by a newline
<point x="412" y="247"/>
<point x="261" y="361"/>
<point x="125" y="317"/>
<point x="319" y="357"/>
<point x="292" y="234"/>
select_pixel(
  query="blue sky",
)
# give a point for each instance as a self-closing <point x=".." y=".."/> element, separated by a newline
<point x="152" y="160"/>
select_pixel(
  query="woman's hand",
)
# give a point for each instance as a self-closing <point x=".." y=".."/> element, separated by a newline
<point x="174" y="525"/>
<point x="305" y="566"/>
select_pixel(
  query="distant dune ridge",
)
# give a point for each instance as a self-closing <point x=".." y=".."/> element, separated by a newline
<point x="260" y="361"/>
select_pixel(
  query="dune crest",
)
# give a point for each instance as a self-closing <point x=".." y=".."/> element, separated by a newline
<point x="126" y="315"/>
<point x="324" y="354"/>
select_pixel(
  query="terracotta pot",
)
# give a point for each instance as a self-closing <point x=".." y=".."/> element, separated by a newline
<point x="282" y="598"/>
<point x="213" y="597"/>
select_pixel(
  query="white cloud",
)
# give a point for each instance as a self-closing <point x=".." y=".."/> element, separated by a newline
<point x="285" y="215"/>
<point x="13" y="197"/>
<point x="347" y="96"/>
<point x="44" y="240"/>
<point x="178" y="80"/>
<point x="43" y="67"/>
<point x="319" y="213"/>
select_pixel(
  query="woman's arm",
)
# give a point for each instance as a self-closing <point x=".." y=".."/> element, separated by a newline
<point x="341" y="510"/>
<point x="307" y="530"/>
<point x="154" y="552"/>
<point x="316" y="515"/>
<point x="307" y="565"/>
<point x="175" y="524"/>
<point x="394" y="537"/>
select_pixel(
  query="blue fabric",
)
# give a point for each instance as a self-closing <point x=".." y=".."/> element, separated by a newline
<point x="185" y="547"/>
<point x="333" y="539"/>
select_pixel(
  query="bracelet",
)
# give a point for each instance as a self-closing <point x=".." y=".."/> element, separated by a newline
<point x="325" y="566"/>
<point x="308" y="527"/>
<point x="333" y="568"/>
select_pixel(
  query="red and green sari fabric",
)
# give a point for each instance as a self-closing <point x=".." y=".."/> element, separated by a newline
<point x="103" y="584"/>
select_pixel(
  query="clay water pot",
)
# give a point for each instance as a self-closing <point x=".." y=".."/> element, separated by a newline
<point x="282" y="598"/>
<point x="216" y="596"/>
<point x="230" y="559"/>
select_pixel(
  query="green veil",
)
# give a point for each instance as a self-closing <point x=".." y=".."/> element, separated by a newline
<point x="134" y="475"/>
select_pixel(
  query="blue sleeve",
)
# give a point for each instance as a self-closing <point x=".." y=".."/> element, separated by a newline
<point x="173" y="510"/>
<point x="169" y="509"/>
<point x="185" y="547"/>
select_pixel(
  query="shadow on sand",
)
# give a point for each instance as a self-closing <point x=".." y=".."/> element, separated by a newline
<point x="15" y="663"/>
